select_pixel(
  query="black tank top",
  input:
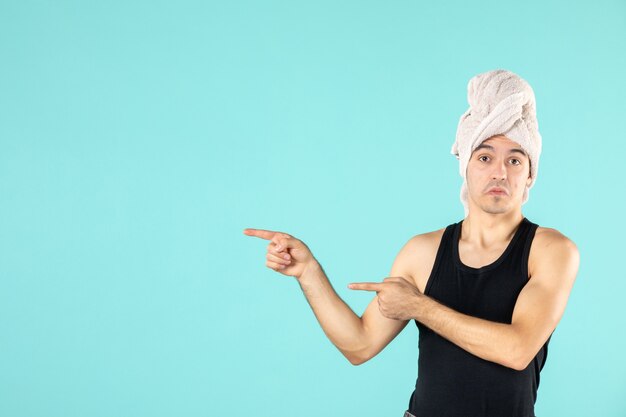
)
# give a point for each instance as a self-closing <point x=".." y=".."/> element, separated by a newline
<point x="452" y="382"/>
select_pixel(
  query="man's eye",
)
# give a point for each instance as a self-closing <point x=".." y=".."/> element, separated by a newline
<point x="481" y="157"/>
<point x="517" y="160"/>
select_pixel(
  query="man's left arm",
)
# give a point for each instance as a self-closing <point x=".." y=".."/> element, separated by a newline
<point x="538" y="309"/>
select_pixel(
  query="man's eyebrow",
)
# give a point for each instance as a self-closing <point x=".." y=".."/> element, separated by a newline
<point x="483" y="146"/>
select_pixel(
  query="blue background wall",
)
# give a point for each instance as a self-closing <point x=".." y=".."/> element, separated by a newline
<point x="138" y="140"/>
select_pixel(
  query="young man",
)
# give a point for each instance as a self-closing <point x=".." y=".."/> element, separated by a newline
<point x="486" y="293"/>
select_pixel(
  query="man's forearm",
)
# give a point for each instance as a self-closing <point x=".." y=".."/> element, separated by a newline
<point x="340" y="324"/>
<point x="492" y="341"/>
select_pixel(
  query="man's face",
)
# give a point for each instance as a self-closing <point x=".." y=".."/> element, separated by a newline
<point x="497" y="162"/>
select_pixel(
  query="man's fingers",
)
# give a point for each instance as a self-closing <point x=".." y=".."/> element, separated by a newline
<point x="282" y="241"/>
<point x="280" y="259"/>
<point x="279" y="240"/>
<point x="366" y="286"/>
<point x="263" y="234"/>
<point x="275" y="266"/>
<point x="271" y="248"/>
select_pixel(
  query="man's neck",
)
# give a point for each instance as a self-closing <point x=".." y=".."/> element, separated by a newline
<point x="485" y="230"/>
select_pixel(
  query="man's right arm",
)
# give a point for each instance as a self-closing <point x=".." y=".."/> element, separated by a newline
<point x="357" y="338"/>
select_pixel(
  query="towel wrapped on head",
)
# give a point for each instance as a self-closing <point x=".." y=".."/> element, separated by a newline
<point x="501" y="103"/>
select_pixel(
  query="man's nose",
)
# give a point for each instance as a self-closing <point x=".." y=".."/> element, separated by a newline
<point x="499" y="170"/>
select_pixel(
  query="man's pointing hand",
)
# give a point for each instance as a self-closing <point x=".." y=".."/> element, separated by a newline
<point x="285" y="253"/>
<point x="398" y="298"/>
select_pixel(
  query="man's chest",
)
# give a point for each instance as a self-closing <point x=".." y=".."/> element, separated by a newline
<point x="420" y="267"/>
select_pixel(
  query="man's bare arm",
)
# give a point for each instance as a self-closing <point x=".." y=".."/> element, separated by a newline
<point x="340" y="324"/>
<point x="357" y="338"/>
<point x="538" y="310"/>
<point x="381" y="330"/>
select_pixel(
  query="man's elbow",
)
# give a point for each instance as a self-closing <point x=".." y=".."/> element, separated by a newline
<point x="510" y="353"/>
<point x="357" y="360"/>
<point x="509" y="362"/>
<point x="517" y="365"/>
<point x="518" y="353"/>
<point x="518" y="359"/>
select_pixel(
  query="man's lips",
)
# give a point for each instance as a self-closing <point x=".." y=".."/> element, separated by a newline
<point x="497" y="191"/>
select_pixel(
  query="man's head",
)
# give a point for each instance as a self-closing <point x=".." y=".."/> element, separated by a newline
<point x="497" y="174"/>
<point x="502" y="110"/>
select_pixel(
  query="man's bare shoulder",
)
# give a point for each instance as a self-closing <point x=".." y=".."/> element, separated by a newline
<point x="427" y="240"/>
<point x="549" y="244"/>
<point x="418" y="256"/>
<point x="547" y="236"/>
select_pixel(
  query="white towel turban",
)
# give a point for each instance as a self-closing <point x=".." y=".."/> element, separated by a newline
<point x="501" y="103"/>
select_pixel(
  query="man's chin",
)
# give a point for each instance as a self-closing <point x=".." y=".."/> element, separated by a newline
<point x="495" y="210"/>
<point x="495" y="207"/>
